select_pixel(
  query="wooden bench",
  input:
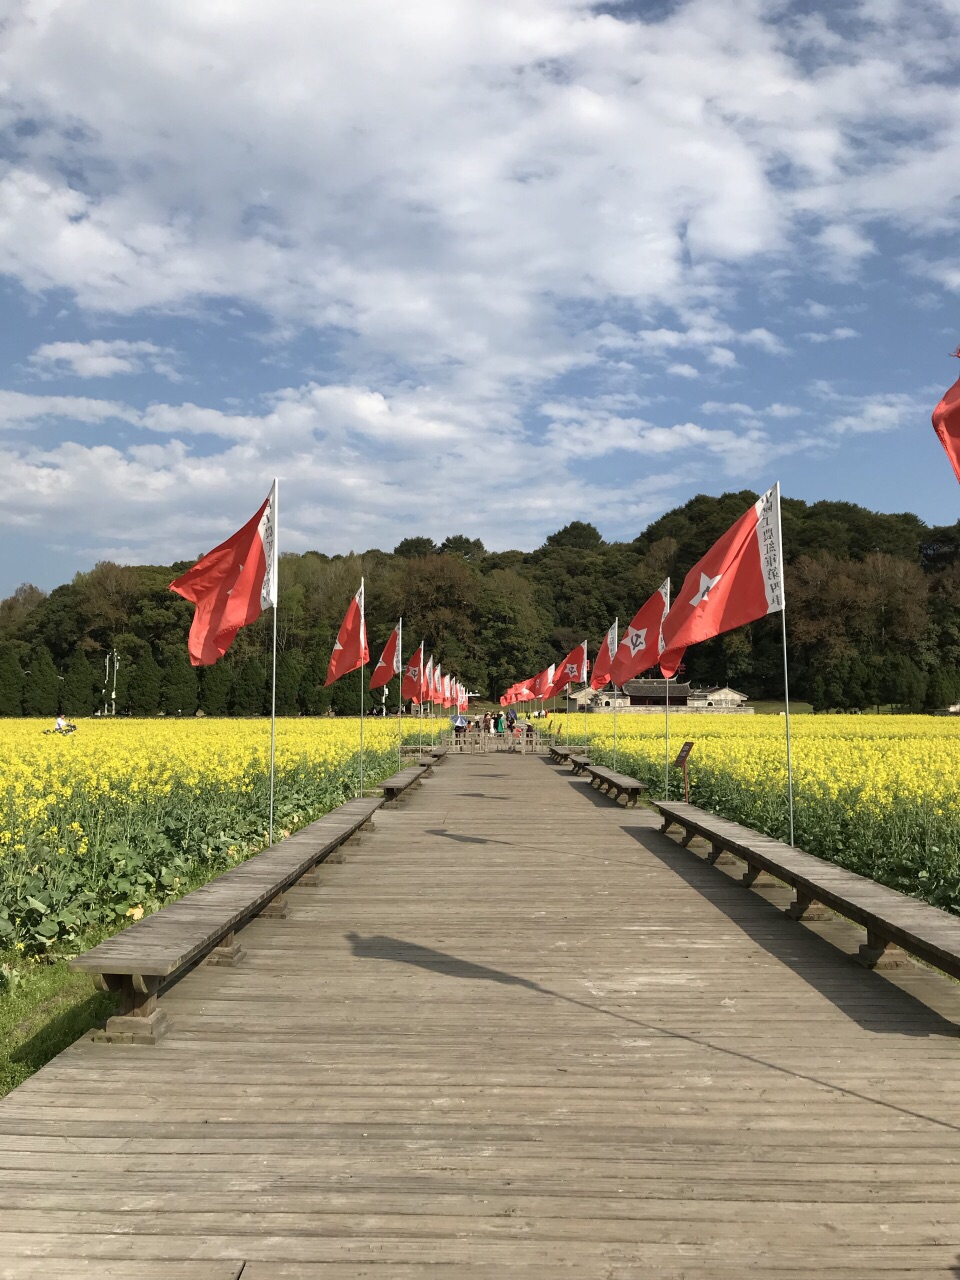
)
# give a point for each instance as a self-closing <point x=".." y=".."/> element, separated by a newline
<point x="136" y="962"/>
<point x="893" y="920"/>
<point x="579" y="763"/>
<point x="395" y="787"/>
<point x="560" y="754"/>
<point x="616" y="784"/>
<point x="432" y="753"/>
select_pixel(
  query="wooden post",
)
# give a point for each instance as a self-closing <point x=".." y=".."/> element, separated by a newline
<point x="227" y="951"/>
<point x="718" y="857"/>
<point x="756" y="877"/>
<point x="140" y="1020"/>
<point x="879" y="952"/>
<point x="804" y="907"/>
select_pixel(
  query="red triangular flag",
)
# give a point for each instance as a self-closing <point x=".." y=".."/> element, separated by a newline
<point x="946" y="423"/>
<point x="389" y="664"/>
<point x="604" y="660"/>
<point x="350" y="648"/>
<point x="640" y="647"/>
<point x="231" y="585"/>
<point x="739" y="580"/>
<point x="572" y="668"/>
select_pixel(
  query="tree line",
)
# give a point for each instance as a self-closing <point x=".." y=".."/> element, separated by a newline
<point x="873" y="617"/>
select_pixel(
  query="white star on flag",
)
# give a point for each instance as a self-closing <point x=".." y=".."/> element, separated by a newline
<point x="637" y="640"/>
<point x="706" y="586"/>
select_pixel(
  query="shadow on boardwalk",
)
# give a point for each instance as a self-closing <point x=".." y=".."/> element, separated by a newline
<point x="397" y="951"/>
<point x="453" y="835"/>
<point x="862" y="996"/>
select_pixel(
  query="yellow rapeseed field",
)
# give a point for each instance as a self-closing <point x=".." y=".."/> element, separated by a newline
<point x="878" y="794"/>
<point x="121" y="815"/>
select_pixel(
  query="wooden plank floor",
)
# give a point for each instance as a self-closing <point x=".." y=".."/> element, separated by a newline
<point x="517" y="1032"/>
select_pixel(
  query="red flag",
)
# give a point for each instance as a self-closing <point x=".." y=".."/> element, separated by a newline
<point x="640" y="647"/>
<point x="604" y="659"/>
<point x="447" y="697"/>
<point x="426" y="690"/>
<point x="523" y="692"/>
<point x="543" y="683"/>
<point x="411" y="684"/>
<point x="739" y="580"/>
<point x="572" y="668"/>
<point x="389" y="664"/>
<point x="231" y="585"/>
<point x="946" y="423"/>
<point x="350" y="647"/>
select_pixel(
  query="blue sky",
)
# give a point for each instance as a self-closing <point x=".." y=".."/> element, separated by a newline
<point x="478" y="266"/>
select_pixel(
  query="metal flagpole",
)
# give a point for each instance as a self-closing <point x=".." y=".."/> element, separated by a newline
<point x="273" y="721"/>
<point x="666" y="719"/>
<point x="420" y="691"/>
<point x="786" y="676"/>
<point x="585" y="695"/>
<point x="273" y="683"/>
<point x="616" y="636"/>
<point x="363" y="638"/>
<point x="400" y="694"/>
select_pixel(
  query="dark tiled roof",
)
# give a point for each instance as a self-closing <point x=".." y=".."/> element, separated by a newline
<point x="656" y="688"/>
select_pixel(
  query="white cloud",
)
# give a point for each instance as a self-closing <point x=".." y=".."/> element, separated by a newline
<point x="765" y="340"/>
<point x="102" y="359"/>
<point x="683" y="371"/>
<point x="746" y="413"/>
<point x="721" y="357"/>
<point x="880" y="413"/>
<point x="840" y="334"/>
<point x="845" y="245"/>
<point x="19" y="410"/>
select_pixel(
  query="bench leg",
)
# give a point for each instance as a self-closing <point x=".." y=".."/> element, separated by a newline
<point x="276" y="908"/>
<point x="880" y="953"/>
<point x="311" y="879"/>
<point x="804" y="907"/>
<point x="140" y="1020"/>
<point x="755" y="877"/>
<point x="228" y="951"/>
<point x="687" y="837"/>
<point x="667" y="824"/>
<point x="719" y="857"/>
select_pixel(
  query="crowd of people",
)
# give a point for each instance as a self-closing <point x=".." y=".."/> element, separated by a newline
<point x="497" y="724"/>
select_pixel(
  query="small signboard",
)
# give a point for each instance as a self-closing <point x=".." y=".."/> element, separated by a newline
<point x="681" y="759"/>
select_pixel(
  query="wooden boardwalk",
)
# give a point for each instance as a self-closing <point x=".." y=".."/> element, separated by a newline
<point x="516" y="1033"/>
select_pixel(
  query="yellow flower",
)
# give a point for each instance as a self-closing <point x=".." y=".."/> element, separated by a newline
<point x="136" y="913"/>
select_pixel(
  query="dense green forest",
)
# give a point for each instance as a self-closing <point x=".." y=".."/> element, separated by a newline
<point x="873" y="617"/>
